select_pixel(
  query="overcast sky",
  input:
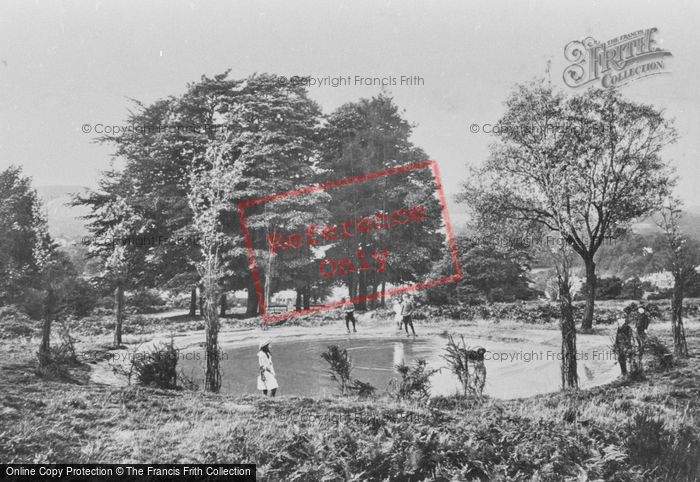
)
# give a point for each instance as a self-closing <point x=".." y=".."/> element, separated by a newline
<point x="65" y="64"/>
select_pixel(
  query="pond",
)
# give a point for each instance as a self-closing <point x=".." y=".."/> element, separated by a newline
<point x="514" y="369"/>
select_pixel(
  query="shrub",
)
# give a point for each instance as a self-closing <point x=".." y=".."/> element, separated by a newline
<point x="661" y="356"/>
<point x="105" y="303"/>
<point x="157" y="368"/>
<point x="66" y="350"/>
<point x="61" y="356"/>
<point x="363" y="389"/>
<point x="32" y="303"/>
<point x="666" y="454"/>
<point x="145" y="301"/>
<point x="341" y="369"/>
<point x="660" y="295"/>
<point x="81" y="298"/>
<point x="463" y="363"/>
<point x="15" y="323"/>
<point x="632" y="289"/>
<point x="340" y="366"/>
<point x="605" y="289"/>
<point x="415" y="382"/>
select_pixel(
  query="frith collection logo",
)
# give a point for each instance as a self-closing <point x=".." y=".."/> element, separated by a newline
<point x="616" y="62"/>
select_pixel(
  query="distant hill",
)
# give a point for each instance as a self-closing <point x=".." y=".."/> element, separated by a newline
<point x="65" y="225"/>
<point x="690" y="223"/>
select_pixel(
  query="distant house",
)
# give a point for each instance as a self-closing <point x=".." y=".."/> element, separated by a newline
<point x="661" y="279"/>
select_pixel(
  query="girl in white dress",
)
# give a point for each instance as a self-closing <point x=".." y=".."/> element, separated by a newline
<point x="266" y="379"/>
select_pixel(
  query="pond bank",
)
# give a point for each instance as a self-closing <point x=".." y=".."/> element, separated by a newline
<point x="521" y="357"/>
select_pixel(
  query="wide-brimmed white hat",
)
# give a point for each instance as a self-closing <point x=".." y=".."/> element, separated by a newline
<point x="263" y="343"/>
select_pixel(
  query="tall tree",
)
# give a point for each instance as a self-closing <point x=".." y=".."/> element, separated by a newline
<point x="211" y="190"/>
<point x="24" y="239"/>
<point x="368" y="136"/>
<point x="492" y="270"/>
<point x="569" y="358"/>
<point x="275" y="147"/>
<point x="57" y="277"/>
<point x="157" y="154"/>
<point x="682" y="258"/>
<point x="120" y="240"/>
<point x="29" y="259"/>
<point x="584" y="166"/>
<point x="270" y="127"/>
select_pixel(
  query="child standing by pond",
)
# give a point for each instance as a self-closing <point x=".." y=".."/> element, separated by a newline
<point x="266" y="379"/>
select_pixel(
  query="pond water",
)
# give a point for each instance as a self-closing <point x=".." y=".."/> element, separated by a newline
<point x="514" y="369"/>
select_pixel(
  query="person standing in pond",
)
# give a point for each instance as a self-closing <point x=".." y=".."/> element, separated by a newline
<point x="406" y="313"/>
<point x="349" y="309"/>
<point x="267" y="380"/>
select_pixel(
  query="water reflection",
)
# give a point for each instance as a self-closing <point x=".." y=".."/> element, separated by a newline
<point x="398" y="353"/>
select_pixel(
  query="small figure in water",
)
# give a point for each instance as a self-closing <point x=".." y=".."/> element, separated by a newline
<point x="349" y="309"/>
<point x="477" y="380"/>
<point x="266" y="379"/>
<point x="406" y="312"/>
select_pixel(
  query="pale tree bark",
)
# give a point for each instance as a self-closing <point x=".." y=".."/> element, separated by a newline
<point x="193" y="301"/>
<point x="681" y="262"/>
<point x="223" y="303"/>
<point x="569" y="369"/>
<point x="268" y="272"/>
<point x="210" y="195"/>
<point x="680" y="346"/>
<point x="212" y="381"/>
<point x="119" y="314"/>
<point x="252" y="303"/>
<point x="591" y="281"/>
<point x="45" y="348"/>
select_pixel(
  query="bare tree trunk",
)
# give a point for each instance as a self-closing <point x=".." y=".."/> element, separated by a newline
<point x="362" y="291"/>
<point x="223" y="303"/>
<point x="119" y="310"/>
<point x="383" y="298"/>
<point x="267" y="288"/>
<point x="587" y="323"/>
<point x="252" y="302"/>
<point x="569" y="368"/>
<point x="212" y="381"/>
<point x="193" y="301"/>
<point x="203" y="293"/>
<point x="297" y="304"/>
<point x="44" y="348"/>
<point x="352" y="285"/>
<point x="307" y="297"/>
<point x="680" y="347"/>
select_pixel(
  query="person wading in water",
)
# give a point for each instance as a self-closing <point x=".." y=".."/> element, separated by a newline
<point x="266" y="379"/>
<point x="406" y="311"/>
<point x="349" y="309"/>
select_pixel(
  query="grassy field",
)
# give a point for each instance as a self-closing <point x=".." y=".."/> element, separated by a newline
<point x="643" y="430"/>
